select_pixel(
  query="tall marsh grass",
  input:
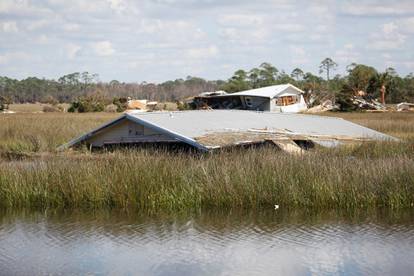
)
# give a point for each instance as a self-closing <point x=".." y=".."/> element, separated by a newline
<point x="359" y="176"/>
<point x="152" y="180"/>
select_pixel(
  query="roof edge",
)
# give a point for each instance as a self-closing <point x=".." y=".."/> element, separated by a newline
<point x="176" y="135"/>
<point x="241" y="93"/>
<point x="87" y="135"/>
<point x="296" y="88"/>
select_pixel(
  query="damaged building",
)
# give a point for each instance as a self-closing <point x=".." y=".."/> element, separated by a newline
<point x="277" y="98"/>
<point x="212" y="129"/>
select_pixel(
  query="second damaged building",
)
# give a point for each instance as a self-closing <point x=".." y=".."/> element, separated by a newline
<point x="277" y="98"/>
<point x="208" y="130"/>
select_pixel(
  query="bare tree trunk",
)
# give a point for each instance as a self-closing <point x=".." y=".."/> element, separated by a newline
<point x="383" y="89"/>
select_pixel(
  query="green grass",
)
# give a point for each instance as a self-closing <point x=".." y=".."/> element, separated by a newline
<point x="361" y="176"/>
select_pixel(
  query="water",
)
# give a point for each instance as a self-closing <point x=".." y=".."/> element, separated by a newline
<point x="227" y="243"/>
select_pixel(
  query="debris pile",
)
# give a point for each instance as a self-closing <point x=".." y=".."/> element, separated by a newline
<point x="325" y="106"/>
<point x="140" y="105"/>
<point x="208" y="102"/>
<point x="214" y="93"/>
<point x="405" y="107"/>
<point x="364" y="104"/>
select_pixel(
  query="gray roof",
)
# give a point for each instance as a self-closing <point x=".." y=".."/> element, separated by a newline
<point x="267" y="92"/>
<point x="186" y="126"/>
<point x="198" y="123"/>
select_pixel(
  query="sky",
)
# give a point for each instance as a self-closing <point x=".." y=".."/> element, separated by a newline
<point x="159" y="40"/>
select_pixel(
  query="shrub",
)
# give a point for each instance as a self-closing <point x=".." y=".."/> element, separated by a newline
<point x="111" y="108"/>
<point x="92" y="103"/>
<point x="121" y="104"/>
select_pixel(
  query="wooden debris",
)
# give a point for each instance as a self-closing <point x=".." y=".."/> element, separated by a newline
<point x="405" y="107"/>
<point x="288" y="146"/>
<point x="282" y="138"/>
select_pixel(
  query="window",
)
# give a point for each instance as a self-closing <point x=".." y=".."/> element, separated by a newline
<point x="135" y="129"/>
<point x="286" y="100"/>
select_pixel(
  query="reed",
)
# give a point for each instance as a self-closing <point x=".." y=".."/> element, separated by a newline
<point x="360" y="176"/>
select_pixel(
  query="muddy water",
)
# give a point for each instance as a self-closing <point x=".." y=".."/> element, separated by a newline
<point x="226" y="243"/>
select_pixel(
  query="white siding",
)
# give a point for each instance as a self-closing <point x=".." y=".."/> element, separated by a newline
<point x="293" y="108"/>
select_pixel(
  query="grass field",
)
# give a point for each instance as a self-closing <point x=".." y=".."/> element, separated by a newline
<point x="33" y="107"/>
<point x="33" y="174"/>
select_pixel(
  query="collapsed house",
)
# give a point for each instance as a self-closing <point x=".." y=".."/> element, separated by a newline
<point x="276" y="98"/>
<point x="212" y="129"/>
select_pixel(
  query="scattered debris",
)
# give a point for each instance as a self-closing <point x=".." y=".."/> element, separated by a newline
<point x="364" y="104"/>
<point x="214" y="93"/>
<point x="7" y="111"/>
<point x="140" y="105"/>
<point x="325" y="106"/>
<point x="405" y="107"/>
<point x="288" y="145"/>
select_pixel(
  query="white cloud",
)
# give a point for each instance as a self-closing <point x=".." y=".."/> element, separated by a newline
<point x="349" y="46"/>
<point x="43" y="39"/>
<point x="9" y="27"/>
<point x="72" y="50"/>
<point x="406" y="25"/>
<point x="203" y="53"/>
<point x="117" y="5"/>
<point x="299" y="55"/>
<point x="289" y="27"/>
<point x="347" y="54"/>
<point x="103" y="48"/>
<point x="408" y="64"/>
<point x="10" y="57"/>
<point x="37" y="24"/>
<point x="71" y="27"/>
<point x="389" y="28"/>
<point x="386" y="56"/>
<point x="374" y="8"/>
<point x="389" y="38"/>
<point x="243" y="34"/>
<point x="176" y="33"/>
<point x="240" y="20"/>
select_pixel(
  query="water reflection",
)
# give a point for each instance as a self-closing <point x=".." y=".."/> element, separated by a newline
<point x="227" y="243"/>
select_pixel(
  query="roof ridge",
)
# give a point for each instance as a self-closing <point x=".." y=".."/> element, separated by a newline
<point x="196" y="110"/>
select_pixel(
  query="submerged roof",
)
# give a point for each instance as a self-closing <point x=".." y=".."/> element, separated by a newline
<point x="267" y="92"/>
<point x="187" y="126"/>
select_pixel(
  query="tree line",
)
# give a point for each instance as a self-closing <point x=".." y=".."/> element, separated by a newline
<point x="386" y="85"/>
<point x="358" y="78"/>
<point x="72" y="87"/>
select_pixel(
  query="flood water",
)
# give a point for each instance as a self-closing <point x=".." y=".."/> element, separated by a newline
<point x="208" y="243"/>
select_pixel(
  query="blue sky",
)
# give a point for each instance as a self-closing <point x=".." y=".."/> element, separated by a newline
<point x="158" y="40"/>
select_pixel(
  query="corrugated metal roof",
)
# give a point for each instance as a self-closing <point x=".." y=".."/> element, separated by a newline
<point x="267" y="92"/>
<point x="194" y="124"/>
<point x="187" y="126"/>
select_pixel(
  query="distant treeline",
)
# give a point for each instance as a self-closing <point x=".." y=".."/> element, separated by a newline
<point x="359" y="77"/>
<point x="73" y="86"/>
